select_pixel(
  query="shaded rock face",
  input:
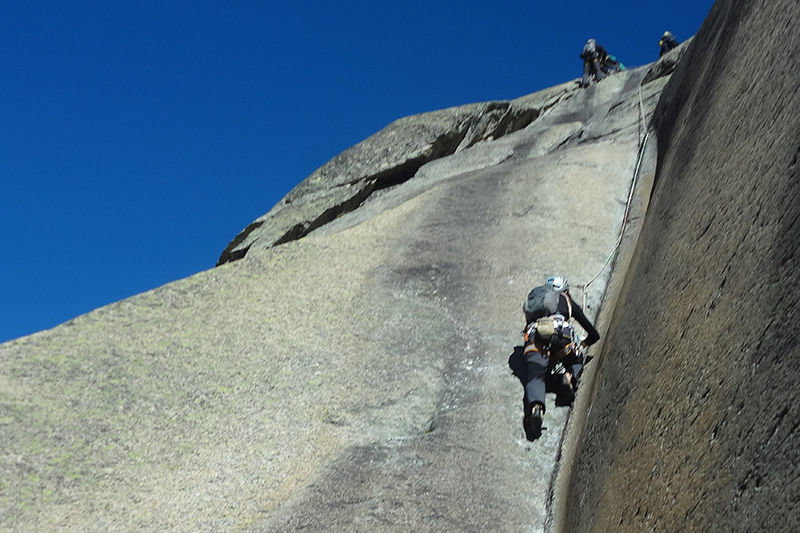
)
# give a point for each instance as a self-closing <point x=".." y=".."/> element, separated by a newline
<point x="695" y="425"/>
<point x="351" y="371"/>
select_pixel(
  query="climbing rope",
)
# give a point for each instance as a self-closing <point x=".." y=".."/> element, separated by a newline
<point x="637" y="167"/>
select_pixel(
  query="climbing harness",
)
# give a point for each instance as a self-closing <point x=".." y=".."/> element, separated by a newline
<point x="551" y="336"/>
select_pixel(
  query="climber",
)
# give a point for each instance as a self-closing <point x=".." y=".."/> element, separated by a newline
<point x="667" y="43"/>
<point x="594" y="57"/>
<point x="550" y="341"/>
<point x="612" y="64"/>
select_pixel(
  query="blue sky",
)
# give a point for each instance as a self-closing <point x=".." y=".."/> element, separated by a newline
<point x="138" y="138"/>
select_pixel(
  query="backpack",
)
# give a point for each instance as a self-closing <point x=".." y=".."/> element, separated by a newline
<point x="615" y="63"/>
<point x="546" y="330"/>
<point x="542" y="301"/>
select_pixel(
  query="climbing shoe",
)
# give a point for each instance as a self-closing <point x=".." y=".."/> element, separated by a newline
<point x="566" y="393"/>
<point x="532" y="422"/>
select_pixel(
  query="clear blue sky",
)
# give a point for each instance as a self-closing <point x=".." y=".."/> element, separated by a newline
<point x="138" y="138"/>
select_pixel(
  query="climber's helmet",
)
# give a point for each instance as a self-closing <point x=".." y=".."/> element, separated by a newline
<point x="558" y="283"/>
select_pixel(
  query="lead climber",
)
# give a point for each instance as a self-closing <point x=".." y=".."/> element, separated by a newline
<point x="667" y="43"/>
<point x="549" y="340"/>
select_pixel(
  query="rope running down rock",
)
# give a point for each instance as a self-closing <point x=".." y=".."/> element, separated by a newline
<point x="639" y="158"/>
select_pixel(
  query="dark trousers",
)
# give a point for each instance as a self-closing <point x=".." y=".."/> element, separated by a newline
<point x="539" y="379"/>
<point x="591" y="68"/>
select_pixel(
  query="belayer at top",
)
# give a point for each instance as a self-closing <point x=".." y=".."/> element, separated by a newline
<point x="597" y="62"/>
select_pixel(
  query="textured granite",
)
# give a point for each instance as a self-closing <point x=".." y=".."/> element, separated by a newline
<point x="694" y="426"/>
<point x="355" y="377"/>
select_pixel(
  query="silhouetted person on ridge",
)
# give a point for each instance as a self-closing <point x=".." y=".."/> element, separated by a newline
<point x="549" y="340"/>
<point x="592" y="56"/>
<point x="667" y="43"/>
<point x="597" y="63"/>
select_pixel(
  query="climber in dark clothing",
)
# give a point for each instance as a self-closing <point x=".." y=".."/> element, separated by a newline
<point x="543" y="350"/>
<point x="667" y="43"/>
<point x="594" y="57"/>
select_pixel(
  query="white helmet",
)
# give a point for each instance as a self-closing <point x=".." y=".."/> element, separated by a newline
<point x="558" y="283"/>
<point x="667" y="35"/>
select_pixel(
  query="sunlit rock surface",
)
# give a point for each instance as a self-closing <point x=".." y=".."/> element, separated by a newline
<point x="347" y="365"/>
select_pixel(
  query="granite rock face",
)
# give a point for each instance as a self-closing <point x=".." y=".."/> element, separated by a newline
<point x="388" y="158"/>
<point x="350" y="365"/>
<point x="354" y="379"/>
<point x="395" y="154"/>
<point x="694" y="426"/>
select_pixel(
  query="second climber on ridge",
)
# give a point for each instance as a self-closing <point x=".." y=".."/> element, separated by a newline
<point x="593" y="56"/>
<point x="597" y="63"/>
<point x="550" y="340"/>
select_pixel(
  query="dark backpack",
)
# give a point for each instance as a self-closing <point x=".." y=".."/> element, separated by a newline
<point x="542" y="301"/>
